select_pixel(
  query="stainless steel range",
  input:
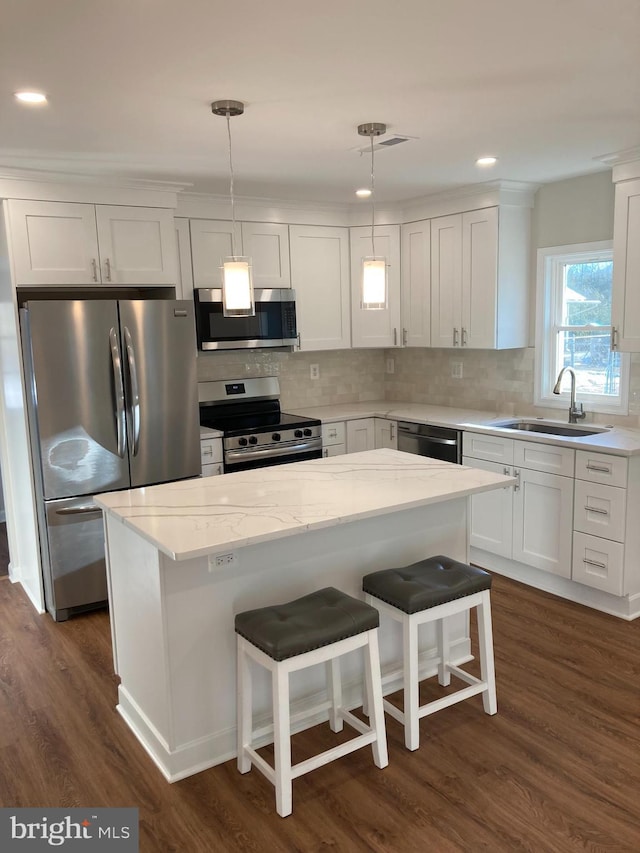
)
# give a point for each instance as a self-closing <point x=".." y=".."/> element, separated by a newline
<point x="255" y="431"/>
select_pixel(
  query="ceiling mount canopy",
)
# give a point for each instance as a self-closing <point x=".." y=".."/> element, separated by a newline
<point x="237" y="282"/>
<point x="374" y="290"/>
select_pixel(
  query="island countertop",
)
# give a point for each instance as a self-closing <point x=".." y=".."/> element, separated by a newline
<point x="211" y="515"/>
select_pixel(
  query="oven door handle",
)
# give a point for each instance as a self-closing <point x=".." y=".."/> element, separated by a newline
<point x="270" y="452"/>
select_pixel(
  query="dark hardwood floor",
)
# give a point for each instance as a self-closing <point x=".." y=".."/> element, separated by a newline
<point x="4" y="550"/>
<point x="557" y="769"/>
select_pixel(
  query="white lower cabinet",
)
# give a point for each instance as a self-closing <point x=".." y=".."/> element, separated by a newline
<point x="386" y="433"/>
<point x="334" y="439"/>
<point x="211" y="456"/>
<point x="361" y="435"/>
<point x="531" y="522"/>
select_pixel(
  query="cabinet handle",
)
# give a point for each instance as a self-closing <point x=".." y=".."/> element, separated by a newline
<point x="506" y="471"/>
<point x="595" y="509"/>
<point x="94" y="269"/>
<point x="107" y="270"/>
<point x="207" y="451"/>
<point x="219" y="469"/>
<point x="516" y="474"/>
<point x="299" y="345"/>
<point x="595" y="563"/>
<point x="455" y="337"/>
<point x="392" y="432"/>
<point x="464" y="337"/>
<point x="405" y="337"/>
<point x="614" y="338"/>
<point x="599" y="468"/>
<point x="325" y="452"/>
<point x="395" y="337"/>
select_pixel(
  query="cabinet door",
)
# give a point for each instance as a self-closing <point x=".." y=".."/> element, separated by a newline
<point x="479" y="278"/>
<point x="416" y="284"/>
<point x="184" y="286"/>
<point x="320" y="278"/>
<point x="386" y="433"/>
<point x="379" y="328"/>
<point x="625" y="299"/>
<point x="543" y="521"/>
<point x="334" y="450"/>
<point x="446" y="281"/>
<point x="137" y="245"/>
<point x="211" y="241"/>
<point x="491" y="525"/>
<point x="360" y="435"/>
<point x="267" y="244"/>
<point x="53" y="243"/>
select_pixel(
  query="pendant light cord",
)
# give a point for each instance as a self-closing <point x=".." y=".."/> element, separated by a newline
<point x="233" y="212"/>
<point x="373" y="201"/>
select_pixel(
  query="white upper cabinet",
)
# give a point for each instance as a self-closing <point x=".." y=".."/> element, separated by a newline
<point x="64" y="243"/>
<point x="265" y="243"/>
<point x="320" y="278"/>
<point x="184" y="286"/>
<point x="625" y="306"/>
<point x="379" y="328"/>
<point x="416" y="284"/>
<point x="479" y="278"/>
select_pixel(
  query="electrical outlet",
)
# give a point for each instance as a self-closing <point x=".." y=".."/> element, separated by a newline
<point x="221" y="560"/>
<point x="456" y="370"/>
<point x="314" y="371"/>
<point x="390" y="365"/>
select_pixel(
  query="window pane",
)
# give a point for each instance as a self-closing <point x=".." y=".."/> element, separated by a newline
<point x="586" y="293"/>
<point x="597" y="368"/>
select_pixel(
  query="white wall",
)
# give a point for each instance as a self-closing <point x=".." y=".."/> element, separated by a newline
<point x="578" y="210"/>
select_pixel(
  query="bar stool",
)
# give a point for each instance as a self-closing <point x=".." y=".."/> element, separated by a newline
<point x="317" y="628"/>
<point x="427" y="591"/>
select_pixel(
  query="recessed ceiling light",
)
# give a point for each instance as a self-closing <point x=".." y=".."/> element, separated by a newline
<point x="363" y="193"/>
<point x="31" y="97"/>
<point x="486" y="161"/>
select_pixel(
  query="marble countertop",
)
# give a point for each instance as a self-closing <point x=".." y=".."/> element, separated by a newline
<point x="621" y="441"/>
<point x="192" y="518"/>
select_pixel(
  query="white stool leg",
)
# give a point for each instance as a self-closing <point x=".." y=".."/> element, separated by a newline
<point x="244" y="708"/>
<point x="282" y="741"/>
<point x="411" y="684"/>
<point x="334" y="687"/>
<point x="442" y="629"/>
<point x="373" y="684"/>
<point x="487" y="665"/>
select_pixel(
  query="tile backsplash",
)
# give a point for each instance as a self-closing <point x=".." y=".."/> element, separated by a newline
<point x="501" y="381"/>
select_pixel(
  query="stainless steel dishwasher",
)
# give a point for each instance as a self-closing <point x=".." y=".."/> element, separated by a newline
<point x="426" y="440"/>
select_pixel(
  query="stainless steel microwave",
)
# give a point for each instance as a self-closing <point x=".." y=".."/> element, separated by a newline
<point x="273" y="324"/>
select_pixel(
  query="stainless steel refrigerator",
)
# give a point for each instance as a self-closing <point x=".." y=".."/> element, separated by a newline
<point x="112" y="401"/>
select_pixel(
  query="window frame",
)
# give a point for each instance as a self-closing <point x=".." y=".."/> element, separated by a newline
<point x="548" y="299"/>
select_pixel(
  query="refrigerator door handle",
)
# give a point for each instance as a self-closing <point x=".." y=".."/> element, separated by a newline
<point x="135" y="394"/>
<point x="78" y="510"/>
<point x="121" y="421"/>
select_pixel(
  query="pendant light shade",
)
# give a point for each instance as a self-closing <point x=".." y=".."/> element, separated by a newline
<point x="374" y="289"/>
<point x="237" y="282"/>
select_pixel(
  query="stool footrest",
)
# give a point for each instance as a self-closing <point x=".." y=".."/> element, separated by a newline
<point x="331" y="754"/>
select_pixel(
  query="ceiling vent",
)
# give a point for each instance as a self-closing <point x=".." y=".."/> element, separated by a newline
<point x="392" y="141"/>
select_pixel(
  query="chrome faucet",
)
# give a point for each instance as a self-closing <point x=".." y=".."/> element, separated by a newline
<point x="576" y="410"/>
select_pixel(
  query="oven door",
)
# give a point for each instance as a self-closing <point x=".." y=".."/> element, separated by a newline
<point x="272" y="325"/>
<point x="295" y="451"/>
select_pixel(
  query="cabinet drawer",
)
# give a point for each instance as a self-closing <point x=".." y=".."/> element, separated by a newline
<point x="601" y="468"/>
<point x="599" y="510"/>
<point x="598" y="563"/>
<point x="544" y="457"/>
<point x="334" y="433"/>
<point x="489" y="447"/>
<point x="210" y="450"/>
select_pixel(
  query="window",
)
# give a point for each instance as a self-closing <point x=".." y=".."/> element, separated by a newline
<point x="573" y="328"/>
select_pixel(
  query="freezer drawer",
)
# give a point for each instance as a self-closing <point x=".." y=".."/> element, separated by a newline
<point x="75" y="553"/>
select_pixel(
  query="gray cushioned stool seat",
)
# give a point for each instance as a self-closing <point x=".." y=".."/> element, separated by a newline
<point x="285" y="630"/>
<point x="426" y="584"/>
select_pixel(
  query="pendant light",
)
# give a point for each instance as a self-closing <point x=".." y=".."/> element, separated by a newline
<point x="237" y="283"/>
<point x="374" y="288"/>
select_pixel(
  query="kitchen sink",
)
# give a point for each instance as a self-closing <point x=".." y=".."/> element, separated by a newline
<point x="551" y="428"/>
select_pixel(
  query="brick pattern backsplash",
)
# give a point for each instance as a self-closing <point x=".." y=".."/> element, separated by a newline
<point x="501" y="381"/>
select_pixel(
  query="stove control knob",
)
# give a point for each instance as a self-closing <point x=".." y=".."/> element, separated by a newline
<point x="242" y="442"/>
<point x="298" y="433"/>
<point x="253" y="439"/>
<point x="307" y="431"/>
<point x="275" y="436"/>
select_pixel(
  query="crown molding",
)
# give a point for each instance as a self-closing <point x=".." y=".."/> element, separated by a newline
<point x="625" y="165"/>
<point x="195" y="205"/>
<point x="470" y="197"/>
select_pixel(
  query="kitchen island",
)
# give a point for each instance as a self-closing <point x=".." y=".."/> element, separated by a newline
<point x="185" y="557"/>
